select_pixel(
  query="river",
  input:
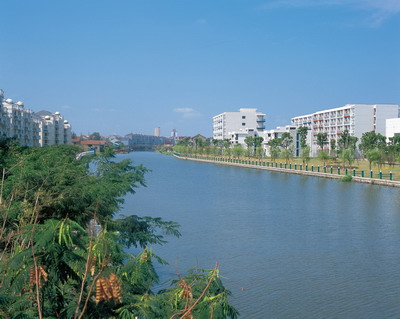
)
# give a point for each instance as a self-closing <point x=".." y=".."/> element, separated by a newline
<point x="288" y="246"/>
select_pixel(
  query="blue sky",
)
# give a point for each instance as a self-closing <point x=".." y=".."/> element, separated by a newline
<point x="127" y="66"/>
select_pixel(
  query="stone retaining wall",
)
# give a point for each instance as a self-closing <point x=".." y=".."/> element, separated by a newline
<point x="367" y="180"/>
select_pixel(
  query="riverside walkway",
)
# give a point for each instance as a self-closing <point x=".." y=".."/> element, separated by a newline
<point x="317" y="171"/>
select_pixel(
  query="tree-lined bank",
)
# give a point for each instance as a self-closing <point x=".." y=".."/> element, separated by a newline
<point x="63" y="254"/>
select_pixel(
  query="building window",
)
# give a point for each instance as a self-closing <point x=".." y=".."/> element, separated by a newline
<point x="243" y="117"/>
<point x="243" y="124"/>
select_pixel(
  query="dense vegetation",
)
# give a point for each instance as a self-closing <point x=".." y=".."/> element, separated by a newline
<point x="373" y="147"/>
<point x="63" y="254"/>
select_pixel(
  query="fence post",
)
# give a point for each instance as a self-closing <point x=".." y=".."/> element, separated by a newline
<point x="380" y="174"/>
<point x="338" y="170"/>
<point x="331" y="170"/>
<point x="371" y="174"/>
<point x="301" y="167"/>
<point x="324" y="169"/>
<point x="362" y="173"/>
<point x="354" y="172"/>
<point x="390" y="175"/>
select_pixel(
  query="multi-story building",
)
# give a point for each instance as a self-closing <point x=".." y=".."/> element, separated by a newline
<point x="277" y="133"/>
<point x="17" y="122"/>
<point x="32" y="129"/>
<point x="238" y="137"/>
<point x="54" y="130"/>
<point x="226" y="123"/>
<point x="355" y="118"/>
<point x="392" y="128"/>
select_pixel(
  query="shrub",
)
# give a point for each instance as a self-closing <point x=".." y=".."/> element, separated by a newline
<point x="347" y="178"/>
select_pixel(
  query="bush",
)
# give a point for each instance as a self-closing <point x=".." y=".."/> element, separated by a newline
<point x="347" y="178"/>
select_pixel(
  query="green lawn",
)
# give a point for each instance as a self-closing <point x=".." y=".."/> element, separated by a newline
<point x="358" y="165"/>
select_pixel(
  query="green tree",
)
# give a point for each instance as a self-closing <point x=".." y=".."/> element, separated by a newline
<point x="322" y="140"/>
<point x="305" y="154"/>
<point x="303" y="131"/>
<point x="238" y="151"/>
<point x="286" y="154"/>
<point x="373" y="156"/>
<point x="95" y="136"/>
<point x="347" y="156"/>
<point x="259" y="152"/>
<point x="56" y="263"/>
<point x="258" y="141"/>
<point x="333" y="149"/>
<point x="372" y="140"/>
<point x="274" y="150"/>
<point x="347" y="142"/>
<point x="323" y="156"/>
<point x="249" y="141"/>
<point x="286" y="140"/>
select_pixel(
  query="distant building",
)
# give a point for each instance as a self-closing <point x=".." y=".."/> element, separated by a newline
<point x="93" y="145"/>
<point x="392" y="128"/>
<point x="54" y="130"/>
<point x="29" y="128"/>
<point x="157" y="131"/>
<point x="269" y="135"/>
<point x="356" y="118"/>
<point x="227" y="122"/>
<point x="145" y="142"/>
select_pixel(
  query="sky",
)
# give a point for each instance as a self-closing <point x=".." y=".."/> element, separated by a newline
<point x="128" y="66"/>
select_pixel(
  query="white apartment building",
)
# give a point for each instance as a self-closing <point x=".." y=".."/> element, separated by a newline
<point x="54" y="130"/>
<point x="356" y="118"/>
<point x="228" y="122"/>
<point x="392" y="128"/>
<point x="17" y="122"/>
<point x="238" y="137"/>
<point x="277" y="133"/>
<point x="28" y="128"/>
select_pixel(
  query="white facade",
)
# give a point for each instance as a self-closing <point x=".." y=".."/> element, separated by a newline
<point x="392" y="128"/>
<point x="356" y="118"/>
<point x="30" y="129"/>
<point x="238" y="137"/>
<point x="54" y="130"/>
<point x="228" y="122"/>
<point x="17" y="122"/>
<point x="277" y="133"/>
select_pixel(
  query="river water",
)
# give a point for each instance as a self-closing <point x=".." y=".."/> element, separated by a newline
<point x="288" y="246"/>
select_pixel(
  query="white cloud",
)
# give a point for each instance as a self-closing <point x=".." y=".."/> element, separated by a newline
<point x="381" y="9"/>
<point x="65" y="107"/>
<point x="187" y="112"/>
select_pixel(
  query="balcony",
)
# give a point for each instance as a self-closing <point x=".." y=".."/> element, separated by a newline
<point x="261" y="127"/>
<point x="260" y="120"/>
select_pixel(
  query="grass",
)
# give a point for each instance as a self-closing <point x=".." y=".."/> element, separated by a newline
<point x="359" y="165"/>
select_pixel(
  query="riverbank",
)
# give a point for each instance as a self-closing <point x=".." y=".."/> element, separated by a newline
<point x="324" y="172"/>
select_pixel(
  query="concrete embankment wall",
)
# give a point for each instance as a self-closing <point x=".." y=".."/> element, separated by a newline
<point x="359" y="179"/>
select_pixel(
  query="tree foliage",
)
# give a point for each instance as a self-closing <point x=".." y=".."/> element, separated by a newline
<point x="63" y="254"/>
<point x="303" y="131"/>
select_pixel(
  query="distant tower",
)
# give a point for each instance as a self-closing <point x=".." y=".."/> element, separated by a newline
<point x="174" y="133"/>
<point x="157" y="131"/>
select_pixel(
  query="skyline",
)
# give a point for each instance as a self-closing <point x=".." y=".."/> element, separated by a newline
<point x="128" y="67"/>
